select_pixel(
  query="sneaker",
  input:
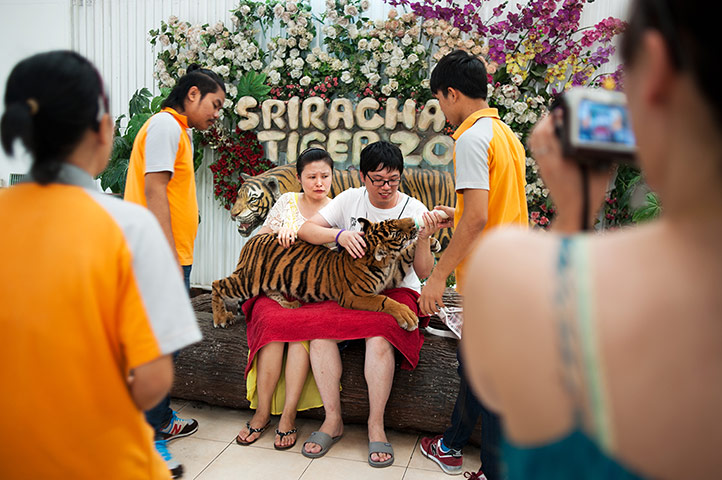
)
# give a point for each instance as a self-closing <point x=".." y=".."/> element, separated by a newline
<point x="178" y="427"/>
<point x="450" y="462"/>
<point x="475" y="475"/>
<point x="176" y="469"/>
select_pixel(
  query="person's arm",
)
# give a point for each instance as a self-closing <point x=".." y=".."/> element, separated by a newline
<point x="423" y="258"/>
<point x="150" y="383"/>
<point x="472" y="222"/>
<point x="156" y="194"/>
<point x="317" y="230"/>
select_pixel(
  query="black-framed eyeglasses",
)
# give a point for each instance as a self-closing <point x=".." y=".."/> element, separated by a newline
<point x="380" y="182"/>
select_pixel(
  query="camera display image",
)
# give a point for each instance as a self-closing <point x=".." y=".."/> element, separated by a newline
<point x="604" y="123"/>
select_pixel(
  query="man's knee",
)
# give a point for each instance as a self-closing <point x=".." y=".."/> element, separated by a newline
<point x="379" y="346"/>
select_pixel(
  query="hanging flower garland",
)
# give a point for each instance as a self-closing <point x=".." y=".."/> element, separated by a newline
<point x="242" y="153"/>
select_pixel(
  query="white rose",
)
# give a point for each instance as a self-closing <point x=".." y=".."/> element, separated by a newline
<point x="278" y="10"/>
<point x="256" y="64"/>
<point x="310" y="58"/>
<point x="508" y="118"/>
<point x="363" y="44"/>
<point x="291" y="42"/>
<point x="336" y="64"/>
<point x="291" y="7"/>
<point x="298" y="63"/>
<point x="346" y="77"/>
<point x="296" y="73"/>
<point x="395" y="62"/>
<point x="305" y="81"/>
<point x="413" y="58"/>
<point x="365" y="5"/>
<point x="350" y="10"/>
<point x="406" y="40"/>
<point x="388" y="46"/>
<point x="219" y="54"/>
<point x="375" y="43"/>
<point x="181" y="72"/>
<point x="386" y="90"/>
<point x="392" y="71"/>
<point x="394" y="84"/>
<point x="245" y="9"/>
<point x="508" y="102"/>
<point x="352" y="31"/>
<point x="294" y="53"/>
<point x="344" y="21"/>
<point x="315" y="65"/>
<point x="316" y="51"/>
<point x="374" y="78"/>
<point x="517" y="79"/>
<point x="329" y="31"/>
<point x="261" y="10"/>
<point x="532" y="117"/>
<point x="303" y="44"/>
<point x="164" y="40"/>
<point x="519" y="107"/>
<point x="275" y="77"/>
<point x="425" y="83"/>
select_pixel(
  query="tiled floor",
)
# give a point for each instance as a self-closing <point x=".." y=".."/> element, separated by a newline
<point x="212" y="454"/>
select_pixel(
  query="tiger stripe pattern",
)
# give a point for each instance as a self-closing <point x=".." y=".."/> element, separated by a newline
<point x="258" y="194"/>
<point x="313" y="273"/>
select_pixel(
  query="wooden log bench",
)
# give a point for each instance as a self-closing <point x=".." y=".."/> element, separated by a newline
<point x="212" y="371"/>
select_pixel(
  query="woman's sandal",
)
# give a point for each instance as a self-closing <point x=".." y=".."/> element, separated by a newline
<point x="251" y="431"/>
<point x="283" y="434"/>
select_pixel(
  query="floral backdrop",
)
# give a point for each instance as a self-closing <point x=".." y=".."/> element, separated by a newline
<point x="532" y="52"/>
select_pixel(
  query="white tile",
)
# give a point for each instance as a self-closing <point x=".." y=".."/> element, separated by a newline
<point x="254" y="463"/>
<point x="178" y="404"/>
<point x="216" y="423"/>
<point x="417" y="474"/>
<point x="195" y="454"/>
<point x="328" y="468"/>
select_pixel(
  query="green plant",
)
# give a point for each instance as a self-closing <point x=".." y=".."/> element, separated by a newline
<point x="649" y="211"/>
<point x="141" y="107"/>
<point x="254" y="85"/>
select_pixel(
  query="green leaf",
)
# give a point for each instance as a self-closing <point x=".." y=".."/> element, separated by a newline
<point x="253" y="84"/>
<point x="649" y="211"/>
<point x="134" y="125"/>
<point x="139" y="102"/>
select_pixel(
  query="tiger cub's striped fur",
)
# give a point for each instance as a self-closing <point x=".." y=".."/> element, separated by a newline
<point x="313" y="273"/>
<point x="258" y="194"/>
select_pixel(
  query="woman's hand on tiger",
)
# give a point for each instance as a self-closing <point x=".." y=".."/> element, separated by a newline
<point x="286" y="236"/>
<point x="353" y="243"/>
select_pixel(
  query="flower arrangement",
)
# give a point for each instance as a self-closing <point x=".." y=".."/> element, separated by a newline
<point x="532" y="52"/>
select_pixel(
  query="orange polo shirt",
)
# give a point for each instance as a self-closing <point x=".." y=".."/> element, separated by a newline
<point x="164" y="144"/>
<point x="489" y="156"/>
<point x="90" y="291"/>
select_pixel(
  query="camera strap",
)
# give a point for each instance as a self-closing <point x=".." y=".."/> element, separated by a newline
<point x="585" y="196"/>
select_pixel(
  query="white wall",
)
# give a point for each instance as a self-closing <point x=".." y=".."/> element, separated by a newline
<point x="28" y="27"/>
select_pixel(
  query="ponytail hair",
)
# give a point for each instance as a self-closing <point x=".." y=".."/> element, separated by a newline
<point x="207" y="81"/>
<point x="51" y="100"/>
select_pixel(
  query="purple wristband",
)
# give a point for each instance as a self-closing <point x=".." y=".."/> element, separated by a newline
<point x="338" y="234"/>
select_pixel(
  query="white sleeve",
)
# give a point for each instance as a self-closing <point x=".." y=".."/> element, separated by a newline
<point x="276" y="217"/>
<point x="161" y="143"/>
<point x="472" y="156"/>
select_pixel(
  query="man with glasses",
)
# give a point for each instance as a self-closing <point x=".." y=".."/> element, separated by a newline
<point x="379" y="199"/>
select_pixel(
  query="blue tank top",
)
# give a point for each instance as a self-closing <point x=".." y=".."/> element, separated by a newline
<point x="578" y="455"/>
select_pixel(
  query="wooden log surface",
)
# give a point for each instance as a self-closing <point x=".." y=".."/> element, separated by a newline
<point x="212" y="371"/>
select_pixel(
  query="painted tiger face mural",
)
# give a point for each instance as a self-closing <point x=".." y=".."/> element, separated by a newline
<point x="314" y="273"/>
<point x="258" y="194"/>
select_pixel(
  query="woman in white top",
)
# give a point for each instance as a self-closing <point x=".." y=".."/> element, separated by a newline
<point x="268" y="391"/>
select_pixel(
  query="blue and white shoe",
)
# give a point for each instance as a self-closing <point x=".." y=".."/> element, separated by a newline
<point x="176" y="469"/>
<point x="178" y="427"/>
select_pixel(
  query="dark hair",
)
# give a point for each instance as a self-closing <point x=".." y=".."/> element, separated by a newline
<point x="311" y="155"/>
<point x="690" y="38"/>
<point x="51" y="100"/>
<point x="462" y="71"/>
<point x="379" y="155"/>
<point x="207" y="81"/>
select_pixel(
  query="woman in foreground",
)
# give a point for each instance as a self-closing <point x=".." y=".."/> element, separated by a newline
<point x="610" y="367"/>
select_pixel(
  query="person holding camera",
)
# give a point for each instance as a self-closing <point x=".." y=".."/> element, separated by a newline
<point x="611" y="366"/>
<point x="490" y="171"/>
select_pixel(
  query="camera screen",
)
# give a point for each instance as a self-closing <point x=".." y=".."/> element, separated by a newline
<point x="604" y="123"/>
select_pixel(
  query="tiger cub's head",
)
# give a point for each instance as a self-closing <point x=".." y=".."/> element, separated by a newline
<point x="255" y="199"/>
<point x="385" y="240"/>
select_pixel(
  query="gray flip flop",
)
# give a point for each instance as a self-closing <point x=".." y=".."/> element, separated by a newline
<point x="324" y="439"/>
<point x="381" y="447"/>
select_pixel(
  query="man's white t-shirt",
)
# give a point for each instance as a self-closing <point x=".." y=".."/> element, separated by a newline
<point x="350" y="205"/>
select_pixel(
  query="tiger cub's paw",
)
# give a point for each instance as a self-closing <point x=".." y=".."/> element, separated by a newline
<point x="405" y="318"/>
<point x="223" y="319"/>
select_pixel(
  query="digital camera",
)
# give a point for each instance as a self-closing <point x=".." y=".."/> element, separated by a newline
<point x="596" y="128"/>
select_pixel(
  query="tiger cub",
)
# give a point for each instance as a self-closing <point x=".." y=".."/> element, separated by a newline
<point x="314" y="273"/>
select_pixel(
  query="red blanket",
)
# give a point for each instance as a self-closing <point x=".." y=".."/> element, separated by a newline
<point x="268" y="322"/>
